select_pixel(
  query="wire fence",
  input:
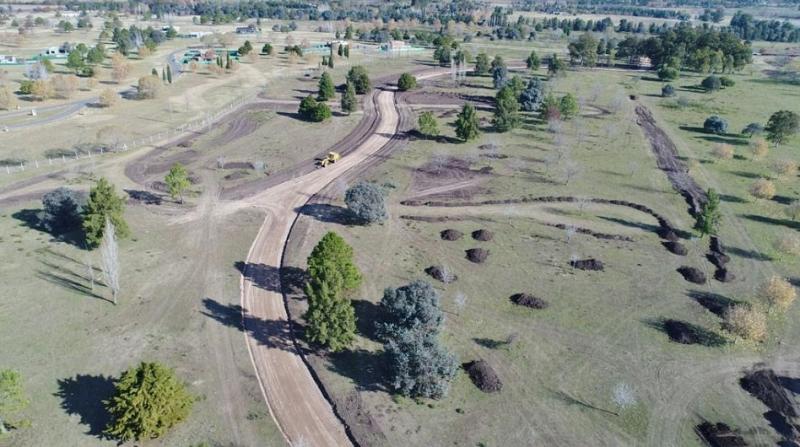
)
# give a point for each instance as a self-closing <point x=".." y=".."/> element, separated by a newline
<point x="100" y="150"/>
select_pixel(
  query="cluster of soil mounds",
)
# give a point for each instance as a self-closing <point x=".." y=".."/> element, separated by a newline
<point x="720" y="435"/>
<point x="527" y="300"/>
<point x="483" y="376"/>
<point x="716" y="255"/>
<point x="451" y="235"/>
<point x="668" y="234"/>
<point x="595" y="234"/>
<point x="765" y="386"/>
<point x="724" y="275"/>
<point x="692" y="274"/>
<point x="482" y="235"/>
<point x="477" y="255"/>
<point x="587" y="264"/>
<point x="676" y="248"/>
<point x="441" y="274"/>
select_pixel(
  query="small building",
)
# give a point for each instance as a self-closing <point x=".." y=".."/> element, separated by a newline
<point x="196" y="34"/>
<point x="249" y="29"/>
<point x="166" y="28"/>
<point x="7" y="59"/>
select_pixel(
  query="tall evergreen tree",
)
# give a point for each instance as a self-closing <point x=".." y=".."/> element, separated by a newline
<point x="506" y="110"/>
<point x="481" y="64"/>
<point x="349" y="100"/>
<point x="709" y="218"/>
<point x="169" y="74"/>
<point x="103" y="203"/>
<point x="330" y="318"/>
<point x="333" y="248"/>
<point x="467" y="123"/>
<point x="326" y="89"/>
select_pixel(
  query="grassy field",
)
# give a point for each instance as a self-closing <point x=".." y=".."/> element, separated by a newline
<point x="564" y="364"/>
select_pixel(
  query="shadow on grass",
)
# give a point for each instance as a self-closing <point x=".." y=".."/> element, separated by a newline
<point x="270" y="278"/>
<point x="723" y="140"/>
<point x="632" y="224"/>
<point x="731" y="199"/>
<point x="145" y="197"/>
<point x="747" y="254"/>
<point x="686" y="333"/>
<point x="63" y="279"/>
<point x="325" y="212"/>
<point x="366" y="369"/>
<point x="271" y="333"/>
<point x="772" y="221"/>
<point x="489" y="343"/>
<point x="570" y="400"/>
<point x="713" y="302"/>
<point x="83" y="395"/>
<point x="31" y="218"/>
<point x="367" y="313"/>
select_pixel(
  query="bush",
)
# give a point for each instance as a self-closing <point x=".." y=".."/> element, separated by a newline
<point x="788" y="244"/>
<point x="365" y="201"/>
<point x="532" y="97"/>
<point x="746" y="322"/>
<point x="62" y="210"/>
<point x="726" y="81"/>
<point x="668" y="91"/>
<point x="711" y="83"/>
<point x="753" y="129"/>
<point x="778" y="293"/>
<point x="406" y="82"/>
<point x="568" y="106"/>
<point x="359" y="78"/>
<point x="148" y="400"/>
<point x="148" y="87"/>
<point x="666" y="73"/>
<point x="311" y="110"/>
<point x="715" y="124"/>
<point x="108" y="98"/>
<point x="762" y="189"/>
<point x="723" y="151"/>
<point x="785" y="168"/>
<point x="26" y="87"/>
<point x="759" y="148"/>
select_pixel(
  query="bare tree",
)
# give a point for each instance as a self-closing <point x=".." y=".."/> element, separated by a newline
<point x="570" y="170"/>
<point x="460" y="300"/>
<point x="110" y="259"/>
<point x="89" y="269"/>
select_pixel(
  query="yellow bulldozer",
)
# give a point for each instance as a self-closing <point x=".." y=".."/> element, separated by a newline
<point x="331" y="158"/>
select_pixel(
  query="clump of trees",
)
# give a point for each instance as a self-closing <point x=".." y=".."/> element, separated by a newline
<point x="481" y="64"/>
<point x="148" y="400"/>
<point x="667" y="73"/>
<point x="406" y="82"/>
<point x="532" y="96"/>
<point x="532" y="61"/>
<point x="467" y="123"/>
<point x="365" y="200"/>
<point x="419" y="365"/>
<point x="311" y="110"/>
<point x="330" y="317"/>
<point x="357" y="75"/>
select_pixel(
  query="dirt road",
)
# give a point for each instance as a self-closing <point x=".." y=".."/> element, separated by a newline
<point x="295" y="400"/>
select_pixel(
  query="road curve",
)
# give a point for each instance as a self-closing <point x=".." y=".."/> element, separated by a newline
<point x="294" y="399"/>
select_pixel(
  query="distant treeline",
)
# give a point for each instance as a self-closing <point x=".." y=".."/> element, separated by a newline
<point x="748" y="28"/>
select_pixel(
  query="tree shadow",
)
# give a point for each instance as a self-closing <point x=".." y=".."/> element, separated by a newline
<point x="366" y="369"/>
<point x="64" y="281"/>
<point x="631" y="224"/>
<point x="692" y="129"/>
<point x="263" y="276"/>
<point x="145" y="197"/>
<point x="731" y="199"/>
<point x="83" y="395"/>
<point x="293" y="280"/>
<point x="790" y="383"/>
<point x="772" y="221"/>
<point x="748" y="254"/>
<point x="32" y="218"/>
<point x="781" y="425"/>
<point x="686" y="333"/>
<point x="415" y="134"/>
<point x="783" y="200"/>
<point x="570" y="400"/>
<point x="489" y="343"/>
<point x="367" y="313"/>
<point x="325" y="212"/>
<point x="271" y="333"/>
<point x="745" y="174"/>
<point x="713" y="302"/>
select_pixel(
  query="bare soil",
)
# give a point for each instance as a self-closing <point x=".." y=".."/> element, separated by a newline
<point x="482" y="235"/>
<point x="587" y="264"/>
<point x="451" y="235"/>
<point x="720" y="435"/>
<point x="483" y="376"/>
<point x="765" y="386"/>
<point x="477" y="255"/>
<point x="692" y="274"/>
<point x="527" y="300"/>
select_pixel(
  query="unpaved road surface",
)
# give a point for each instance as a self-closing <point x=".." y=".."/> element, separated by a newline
<point x="295" y="400"/>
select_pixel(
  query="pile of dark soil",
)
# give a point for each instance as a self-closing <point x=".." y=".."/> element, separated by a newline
<point x="765" y="386"/>
<point x="451" y="235"/>
<point x="692" y="274"/>
<point x="587" y="264"/>
<point x="690" y="334"/>
<point x="237" y="165"/>
<point x="724" y="275"/>
<point x="240" y="174"/>
<point x="667" y="233"/>
<point x="524" y="299"/>
<point x="482" y="235"/>
<point x="483" y="376"/>
<point x="720" y="435"/>
<point x="477" y="255"/>
<point x="720" y="260"/>
<point x="675" y="248"/>
<point x="441" y="274"/>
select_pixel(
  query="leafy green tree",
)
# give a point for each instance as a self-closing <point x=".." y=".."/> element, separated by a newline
<point x="782" y="125"/>
<point x="414" y="306"/>
<point x="550" y="108"/>
<point x="467" y="123"/>
<point x="75" y="60"/>
<point x="499" y="72"/>
<point x="62" y="210"/>
<point x="533" y="62"/>
<point x="568" y="106"/>
<point x="12" y="397"/>
<point x="246" y="48"/>
<point x="349" y="100"/>
<point x="311" y="110"/>
<point x="406" y="82"/>
<point x="148" y="400"/>
<point x="177" y="181"/>
<point x="96" y="55"/>
<point x="357" y="75"/>
<point x="710" y="216"/>
<point x="326" y="88"/>
<point x="584" y="50"/>
<point x="267" y="49"/>
<point x="711" y="83"/>
<point x="481" y="64"/>
<point x="103" y="203"/>
<point x="667" y="73"/>
<point x="506" y="110"/>
<point x="715" y="124"/>
<point x="531" y="98"/>
<point x="321" y="113"/>
<point x="555" y="66"/>
<point x="426" y="124"/>
<point x="668" y="91"/>
<point x="365" y="200"/>
<point x="333" y="249"/>
<point x="330" y="318"/>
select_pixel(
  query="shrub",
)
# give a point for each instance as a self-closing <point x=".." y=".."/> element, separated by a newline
<point x="788" y="244"/>
<point x="666" y="73"/>
<point x="759" y="148"/>
<point x="426" y="124"/>
<point x="531" y="98"/>
<point x="726" y="81"/>
<point x="711" y="83"/>
<point x="108" y="98"/>
<point x="365" y="201"/>
<point x="568" y="106"/>
<point x="359" y="78"/>
<point x="62" y="210"/>
<point x="406" y="82"/>
<point x="746" y="322"/>
<point x="723" y="151"/>
<point x="26" y="87"/>
<point x="785" y="168"/>
<point x="311" y="110"/>
<point x="782" y="125"/>
<point x="762" y="189"/>
<point x="793" y="210"/>
<point x="715" y="124"/>
<point x="148" y="87"/>
<point x="668" y="91"/>
<point x="752" y="129"/>
<point x="778" y="293"/>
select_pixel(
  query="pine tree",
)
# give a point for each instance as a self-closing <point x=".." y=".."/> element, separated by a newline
<point x="467" y="123"/>
<point x="340" y="51"/>
<point x="163" y="75"/>
<point x="709" y="218"/>
<point x="103" y="203"/>
<point x="347" y="51"/>
<point x="169" y="74"/>
<point x="326" y="89"/>
<point x="506" y="111"/>
<point x="333" y="249"/>
<point x="330" y="61"/>
<point x="349" y="100"/>
<point x="154" y="72"/>
<point x="330" y="319"/>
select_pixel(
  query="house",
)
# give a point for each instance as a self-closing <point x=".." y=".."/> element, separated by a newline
<point x="7" y="59"/>
<point x="249" y="29"/>
<point x="197" y="34"/>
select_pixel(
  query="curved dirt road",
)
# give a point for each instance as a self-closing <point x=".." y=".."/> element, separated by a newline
<point x="296" y="402"/>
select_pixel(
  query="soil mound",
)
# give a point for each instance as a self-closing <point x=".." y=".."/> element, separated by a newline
<point x="477" y="255"/>
<point x="720" y="260"/>
<point x="668" y="234"/>
<point x="524" y="299"/>
<point x="681" y="332"/>
<point x="482" y="235"/>
<point x="587" y="264"/>
<point x="692" y="274"/>
<point x="483" y="376"/>
<point x="451" y="235"/>
<point x="676" y="248"/>
<point x="720" y="435"/>
<point x="441" y="274"/>
<point x="724" y="275"/>
<point x="765" y="386"/>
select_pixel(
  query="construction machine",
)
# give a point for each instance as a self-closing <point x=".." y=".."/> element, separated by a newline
<point x="332" y="157"/>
